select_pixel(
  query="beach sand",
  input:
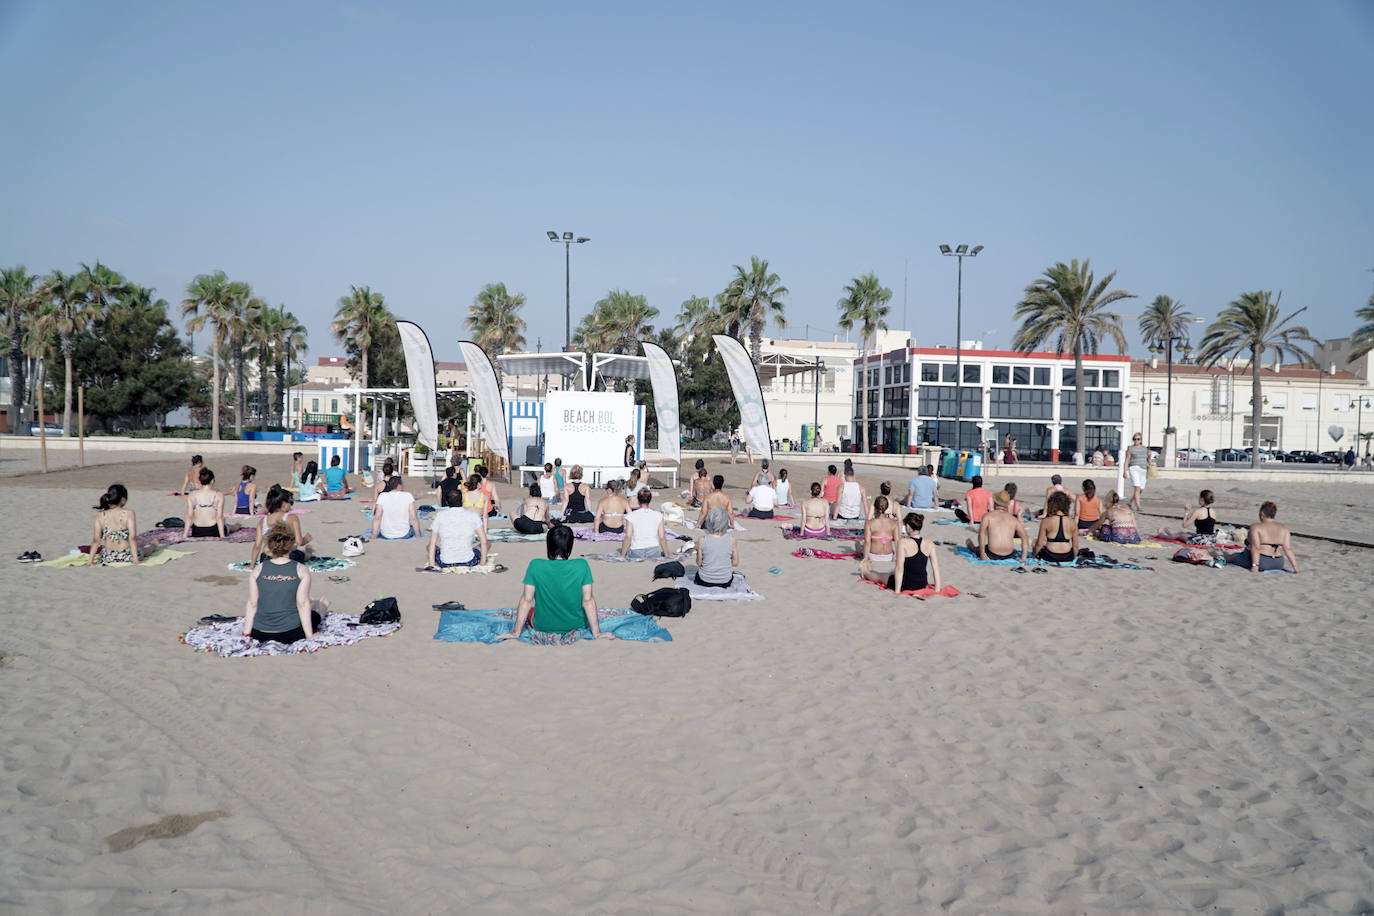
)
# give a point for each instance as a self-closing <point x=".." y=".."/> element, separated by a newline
<point x="1172" y="740"/>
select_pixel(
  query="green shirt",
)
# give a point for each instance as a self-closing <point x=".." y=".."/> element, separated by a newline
<point x="558" y="593"/>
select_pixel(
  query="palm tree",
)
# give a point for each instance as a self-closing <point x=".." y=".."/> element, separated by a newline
<point x="629" y="316"/>
<point x="1165" y="318"/>
<point x="594" y="333"/>
<point x="291" y="338"/>
<point x="495" y="322"/>
<point x="1251" y="324"/>
<point x="213" y="298"/>
<point x="751" y="297"/>
<point x="1068" y="308"/>
<point x="1362" y="341"/>
<point x="68" y="316"/>
<point x="260" y="335"/>
<point x="359" y="318"/>
<point x="20" y="295"/>
<point x="864" y="304"/>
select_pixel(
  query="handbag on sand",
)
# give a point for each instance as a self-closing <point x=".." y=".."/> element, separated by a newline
<point x="670" y="570"/>
<point x="663" y="602"/>
<point x="353" y="547"/>
<point x="383" y="610"/>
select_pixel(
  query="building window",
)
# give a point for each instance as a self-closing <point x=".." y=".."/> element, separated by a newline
<point x="1111" y="378"/>
<point x="937" y="401"/>
<point x="949" y="373"/>
<point x="1020" y="375"/>
<point x="1067" y="379"/>
<point x="295" y="405"/>
<point x="314" y="405"/>
<point x="1042" y="376"/>
<point x="972" y="373"/>
<point x="1279" y="400"/>
<point x="1102" y="406"/>
<point x="333" y="405"/>
<point x="930" y="372"/>
<point x="1021" y="404"/>
<point x="1001" y="375"/>
<point x="1309" y="402"/>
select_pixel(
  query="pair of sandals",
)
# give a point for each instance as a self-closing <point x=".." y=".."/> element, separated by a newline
<point x="1040" y="570"/>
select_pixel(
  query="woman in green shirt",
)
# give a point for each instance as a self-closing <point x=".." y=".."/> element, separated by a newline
<point x="562" y="589"/>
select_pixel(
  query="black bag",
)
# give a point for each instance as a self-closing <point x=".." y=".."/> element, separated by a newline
<point x="171" y="521"/>
<point x="670" y="570"/>
<point x="663" y="602"/>
<point x="383" y="610"/>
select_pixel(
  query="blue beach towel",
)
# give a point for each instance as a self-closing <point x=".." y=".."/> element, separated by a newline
<point x="487" y="625"/>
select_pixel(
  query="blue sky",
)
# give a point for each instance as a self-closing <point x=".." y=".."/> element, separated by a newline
<point x="1199" y="149"/>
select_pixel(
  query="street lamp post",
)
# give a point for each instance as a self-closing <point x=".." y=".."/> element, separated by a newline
<point x="961" y="252"/>
<point x="568" y="240"/>
<point x="1166" y="345"/>
<point x="816" y="417"/>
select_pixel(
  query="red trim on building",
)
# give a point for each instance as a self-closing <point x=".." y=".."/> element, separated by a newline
<point x="1005" y="354"/>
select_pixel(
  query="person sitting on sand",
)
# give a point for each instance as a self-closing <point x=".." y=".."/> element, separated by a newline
<point x="561" y="586"/>
<point x="764" y="477"/>
<point x="921" y="491"/>
<point x="115" y="536"/>
<point x="699" y="489"/>
<point x="815" y="514"/>
<point x="533" y="517"/>
<point x="885" y="489"/>
<point x="611" y="510"/>
<point x="192" y="478"/>
<point x="830" y="487"/>
<point x="880" y="533"/>
<point x="784" y="489"/>
<point x="717" y="551"/>
<point x="279" y="608"/>
<point x="336" y="481"/>
<point x="761" y="500"/>
<point x="205" y="509"/>
<point x="645" y="535"/>
<point x="852" y="503"/>
<point x="1056" y="486"/>
<point x="452" y="533"/>
<point x="575" y="498"/>
<point x="1057" y="540"/>
<point x="916" y="561"/>
<point x="977" y="501"/>
<point x="246" y="496"/>
<point x="393" y="514"/>
<point x="475" y="498"/>
<point x="297" y="466"/>
<point x="1118" y="522"/>
<point x="717" y="497"/>
<point x="379" y="485"/>
<point x="1015" y="508"/>
<point x="450" y="481"/>
<point x="1268" y="543"/>
<point x="489" y="491"/>
<point x="999" y="531"/>
<point x="559" y="481"/>
<point x="634" y="484"/>
<point x="548" y="486"/>
<point x="1203" y="519"/>
<point x="308" y="488"/>
<point x="1088" y="509"/>
<point x="278" y="506"/>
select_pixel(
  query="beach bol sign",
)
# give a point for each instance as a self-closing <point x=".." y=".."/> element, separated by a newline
<point x="588" y="427"/>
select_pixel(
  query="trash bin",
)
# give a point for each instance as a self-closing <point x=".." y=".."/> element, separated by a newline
<point x="972" y="465"/>
<point x="911" y="449"/>
<point x="949" y="461"/>
<point x="846" y="445"/>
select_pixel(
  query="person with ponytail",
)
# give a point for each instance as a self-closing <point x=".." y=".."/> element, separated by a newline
<point x="115" y="537"/>
<point x="278" y="505"/>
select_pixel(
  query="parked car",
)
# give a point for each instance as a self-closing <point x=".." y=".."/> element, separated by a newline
<point x="1303" y="456"/>
<point x="1332" y="457"/>
<point x="1270" y="454"/>
<point x="50" y="429"/>
<point x="1192" y="455"/>
<point x="1232" y="454"/>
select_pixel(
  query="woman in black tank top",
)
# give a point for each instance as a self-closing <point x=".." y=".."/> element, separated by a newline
<point x="576" y="511"/>
<point x="1203" y="518"/>
<point x="1057" y="542"/>
<point x="917" y="563"/>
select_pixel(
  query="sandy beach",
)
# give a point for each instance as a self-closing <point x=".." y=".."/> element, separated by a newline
<point x="1177" y="739"/>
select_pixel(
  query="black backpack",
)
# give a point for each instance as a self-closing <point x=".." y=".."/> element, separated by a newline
<point x="383" y="610"/>
<point x="663" y="602"/>
<point x="670" y="570"/>
<point x="171" y="521"/>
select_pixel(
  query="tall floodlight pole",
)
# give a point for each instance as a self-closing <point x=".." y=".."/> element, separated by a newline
<point x="1165" y="345"/>
<point x="961" y="252"/>
<point x="816" y="417"/>
<point x="568" y="240"/>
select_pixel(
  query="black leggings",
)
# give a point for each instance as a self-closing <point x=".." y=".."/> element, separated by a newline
<point x="290" y="636"/>
<point x="697" y="579"/>
<point x="205" y="531"/>
<point x="527" y="525"/>
<point x="578" y="518"/>
<point x="603" y="528"/>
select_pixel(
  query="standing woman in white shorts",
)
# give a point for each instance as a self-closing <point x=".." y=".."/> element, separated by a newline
<point x="1137" y="468"/>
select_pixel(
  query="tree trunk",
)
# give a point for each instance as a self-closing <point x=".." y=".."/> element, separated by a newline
<point x="755" y="341"/>
<point x="263" y="419"/>
<point x="1257" y="407"/>
<point x="239" y="402"/>
<point x="1081" y="399"/>
<point x="15" y="418"/>
<point x="214" y="391"/>
<point x="68" y="345"/>
<point x="279" y="398"/>
<point x="863" y="395"/>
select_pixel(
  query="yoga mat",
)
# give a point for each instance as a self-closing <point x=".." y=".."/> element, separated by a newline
<point x="511" y="535"/>
<point x="318" y="564"/>
<point x="929" y="591"/>
<point x="815" y="553"/>
<point x="227" y="639"/>
<point x="486" y="626"/>
<point x="167" y="536"/>
<point x="793" y="534"/>
<point x="739" y="590"/>
<point x="617" y="558"/>
<point x="484" y="569"/>
<point x="156" y="558"/>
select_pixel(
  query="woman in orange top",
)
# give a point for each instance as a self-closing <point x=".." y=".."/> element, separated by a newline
<point x="1089" y="509"/>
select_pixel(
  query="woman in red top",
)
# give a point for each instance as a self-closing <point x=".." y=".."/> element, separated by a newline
<point x="1089" y="509"/>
